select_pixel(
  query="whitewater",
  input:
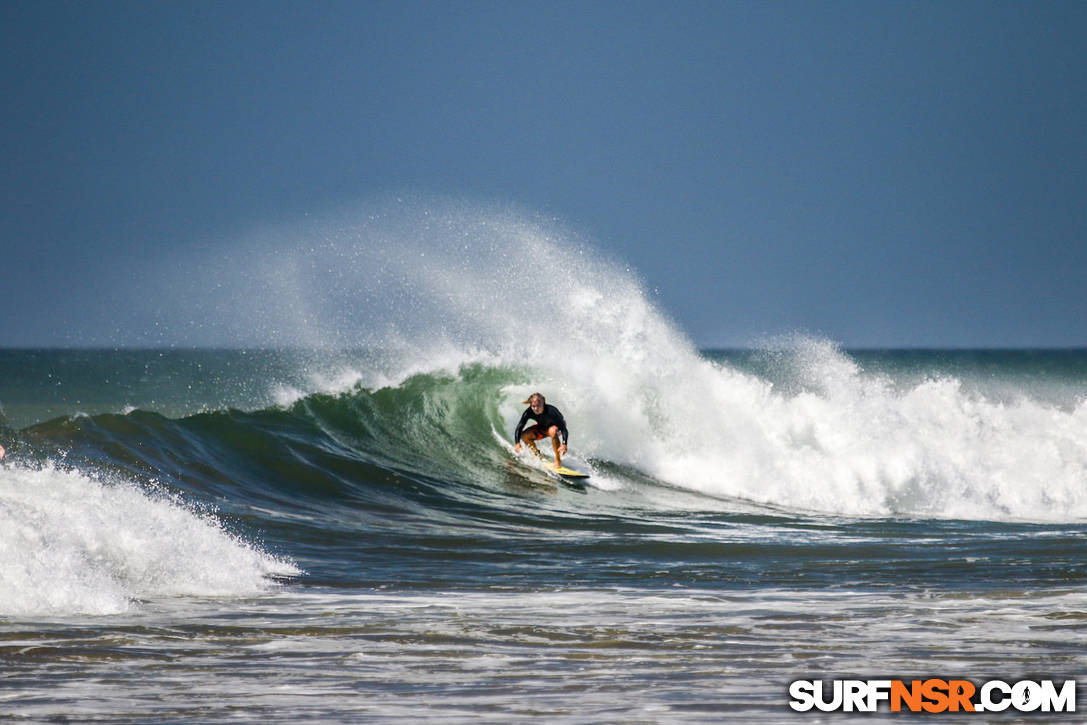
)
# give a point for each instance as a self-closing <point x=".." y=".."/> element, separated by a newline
<point x="325" y="521"/>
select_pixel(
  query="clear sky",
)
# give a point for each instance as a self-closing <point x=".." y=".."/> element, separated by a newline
<point x="877" y="173"/>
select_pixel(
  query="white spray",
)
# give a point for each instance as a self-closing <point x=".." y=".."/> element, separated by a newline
<point x="75" y="545"/>
<point x="447" y="284"/>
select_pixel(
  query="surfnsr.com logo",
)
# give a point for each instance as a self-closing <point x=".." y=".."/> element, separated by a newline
<point x="933" y="695"/>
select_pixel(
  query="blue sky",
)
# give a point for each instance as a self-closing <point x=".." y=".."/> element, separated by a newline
<point x="880" y="174"/>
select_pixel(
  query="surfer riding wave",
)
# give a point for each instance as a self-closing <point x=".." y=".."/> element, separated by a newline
<point x="549" y="424"/>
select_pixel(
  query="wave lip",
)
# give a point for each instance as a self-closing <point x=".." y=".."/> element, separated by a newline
<point x="73" y="545"/>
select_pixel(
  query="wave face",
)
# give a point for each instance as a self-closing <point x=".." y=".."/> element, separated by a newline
<point x="805" y="429"/>
<point x="438" y="287"/>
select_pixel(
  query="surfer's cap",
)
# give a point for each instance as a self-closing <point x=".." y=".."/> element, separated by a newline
<point x="543" y="400"/>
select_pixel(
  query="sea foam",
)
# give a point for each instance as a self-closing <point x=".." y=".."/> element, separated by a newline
<point x="72" y="544"/>
<point x="833" y="438"/>
<point x="500" y="287"/>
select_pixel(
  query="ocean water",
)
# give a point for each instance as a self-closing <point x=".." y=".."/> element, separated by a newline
<point x="312" y="533"/>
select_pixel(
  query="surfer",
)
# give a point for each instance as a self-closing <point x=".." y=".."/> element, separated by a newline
<point x="549" y="424"/>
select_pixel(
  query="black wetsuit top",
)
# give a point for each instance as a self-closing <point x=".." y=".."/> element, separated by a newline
<point x="549" y="417"/>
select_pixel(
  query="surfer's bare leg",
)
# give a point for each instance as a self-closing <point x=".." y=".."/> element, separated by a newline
<point x="553" y="433"/>
<point x="529" y="441"/>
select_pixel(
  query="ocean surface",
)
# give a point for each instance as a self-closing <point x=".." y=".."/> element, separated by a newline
<point x="325" y="521"/>
<point x="307" y="536"/>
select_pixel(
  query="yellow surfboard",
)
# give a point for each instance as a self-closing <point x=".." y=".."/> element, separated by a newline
<point x="566" y="472"/>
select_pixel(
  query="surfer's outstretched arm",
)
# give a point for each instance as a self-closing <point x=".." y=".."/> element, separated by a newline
<point x="520" y="429"/>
